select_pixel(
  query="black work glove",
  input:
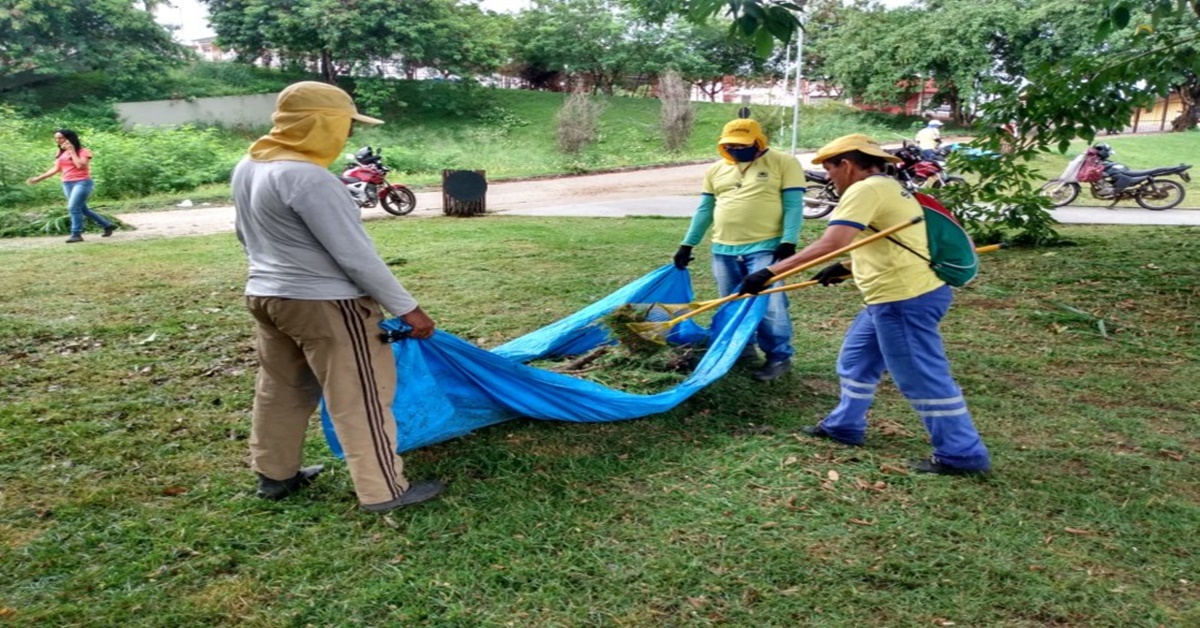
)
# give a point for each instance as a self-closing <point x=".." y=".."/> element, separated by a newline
<point x="683" y="256"/>
<point x="784" y="251"/>
<point x="756" y="281"/>
<point x="836" y="273"/>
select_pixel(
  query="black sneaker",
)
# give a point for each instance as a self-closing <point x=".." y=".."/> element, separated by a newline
<point x="75" y="237"/>
<point x="933" y="465"/>
<point x="417" y="492"/>
<point x="816" y="431"/>
<point x="109" y="231"/>
<point x="278" y="489"/>
<point x="772" y="370"/>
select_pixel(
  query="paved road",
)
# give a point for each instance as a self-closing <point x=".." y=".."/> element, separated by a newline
<point x="670" y="191"/>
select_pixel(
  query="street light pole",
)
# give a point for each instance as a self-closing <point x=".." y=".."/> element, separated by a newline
<point x="799" y="91"/>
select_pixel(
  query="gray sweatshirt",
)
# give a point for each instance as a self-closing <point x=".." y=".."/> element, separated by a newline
<point x="305" y="239"/>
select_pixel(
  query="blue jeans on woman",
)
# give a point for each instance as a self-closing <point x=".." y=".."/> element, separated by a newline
<point x="77" y="195"/>
<point x="902" y="338"/>
<point x="774" y="333"/>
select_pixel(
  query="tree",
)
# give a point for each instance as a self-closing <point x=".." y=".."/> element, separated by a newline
<point x="458" y="39"/>
<point x="576" y="37"/>
<point x="44" y="40"/>
<point x="340" y="36"/>
<point x="326" y="33"/>
<point x="1076" y="97"/>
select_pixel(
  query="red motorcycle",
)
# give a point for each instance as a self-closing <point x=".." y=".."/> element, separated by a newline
<point x="915" y="171"/>
<point x="366" y="179"/>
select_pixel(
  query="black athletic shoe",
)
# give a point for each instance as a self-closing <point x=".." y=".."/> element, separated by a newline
<point x="417" y="492"/>
<point x="816" y="431"/>
<point x="109" y="231"/>
<point x="933" y="465"/>
<point x="772" y="370"/>
<point x="75" y="237"/>
<point x="278" y="489"/>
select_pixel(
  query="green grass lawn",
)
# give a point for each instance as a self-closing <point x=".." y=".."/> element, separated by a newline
<point x="127" y="373"/>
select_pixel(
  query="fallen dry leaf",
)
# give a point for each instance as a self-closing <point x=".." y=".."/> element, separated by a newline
<point x="1077" y="531"/>
<point x="860" y="522"/>
<point x="172" y="491"/>
<point x="887" y="468"/>
<point x="1173" y="455"/>
<point x="833" y="475"/>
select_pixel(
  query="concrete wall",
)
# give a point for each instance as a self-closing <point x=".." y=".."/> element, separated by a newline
<point x="243" y="111"/>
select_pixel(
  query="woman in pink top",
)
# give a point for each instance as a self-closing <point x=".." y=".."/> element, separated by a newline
<point x="73" y="161"/>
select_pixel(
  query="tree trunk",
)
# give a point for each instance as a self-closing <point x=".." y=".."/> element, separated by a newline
<point x="328" y="71"/>
<point x="1189" y="93"/>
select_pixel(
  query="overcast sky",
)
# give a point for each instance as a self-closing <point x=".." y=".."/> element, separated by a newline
<point x="192" y="18"/>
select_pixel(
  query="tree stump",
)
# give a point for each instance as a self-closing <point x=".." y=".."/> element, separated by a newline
<point x="464" y="192"/>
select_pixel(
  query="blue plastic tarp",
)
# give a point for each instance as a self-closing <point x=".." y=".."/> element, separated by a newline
<point x="448" y="387"/>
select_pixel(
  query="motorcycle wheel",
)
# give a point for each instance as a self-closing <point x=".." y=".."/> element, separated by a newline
<point x="949" y="181"/>
<point x="1160" y="195"/>
<point x="821" y="203"/>
<point x="1060" y="192"/>
<point x="398" y="201"/>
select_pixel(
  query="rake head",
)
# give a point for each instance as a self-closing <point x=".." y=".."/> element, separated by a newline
<point x="641" y="327"/>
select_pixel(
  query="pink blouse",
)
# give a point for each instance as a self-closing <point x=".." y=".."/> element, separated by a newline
<point x="71" y="172"/>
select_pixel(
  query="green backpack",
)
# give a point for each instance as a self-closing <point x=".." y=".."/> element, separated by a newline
<point x="951" y="252"/>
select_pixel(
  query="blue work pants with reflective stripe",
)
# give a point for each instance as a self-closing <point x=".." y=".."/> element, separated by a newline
<point x="902" y="338"/>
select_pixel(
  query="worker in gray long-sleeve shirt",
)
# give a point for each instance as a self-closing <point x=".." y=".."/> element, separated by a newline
<point x="315" y="289"/>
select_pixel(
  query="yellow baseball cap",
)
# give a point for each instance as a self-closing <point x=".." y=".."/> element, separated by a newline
<point x="743" y="131"/>
<point x="854" y="141"/>
<point x="317" y="97"/>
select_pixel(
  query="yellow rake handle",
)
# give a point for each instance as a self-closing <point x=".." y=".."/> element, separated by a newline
<point x="788" y="273"/>
<point x="990" y="248"/>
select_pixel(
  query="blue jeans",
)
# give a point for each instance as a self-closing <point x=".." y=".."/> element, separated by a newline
<point x="902" y="338"/>
<point x="77" y="195"/>
<point x="774" y="333"/>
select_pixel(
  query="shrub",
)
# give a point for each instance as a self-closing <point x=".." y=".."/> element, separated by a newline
<point x="161" y="160"/>
<point x="677" y="115"/>
<point x="577" y="122"/>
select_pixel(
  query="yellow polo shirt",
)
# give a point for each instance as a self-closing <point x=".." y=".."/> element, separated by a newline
<point x="749" y="206"/>
<point x="886" y="272"/>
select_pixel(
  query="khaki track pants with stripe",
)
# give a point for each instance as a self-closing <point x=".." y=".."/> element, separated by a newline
<point x="307" y="349"/>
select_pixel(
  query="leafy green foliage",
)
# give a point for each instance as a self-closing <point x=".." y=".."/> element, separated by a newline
<point x="45" y="40"/>
<point x="454" y="37"/>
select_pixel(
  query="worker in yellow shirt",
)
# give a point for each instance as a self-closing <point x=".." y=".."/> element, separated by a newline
<point x="753" y="200"/>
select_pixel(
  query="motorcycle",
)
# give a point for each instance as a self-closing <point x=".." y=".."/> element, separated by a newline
<point x="822" y="197"/>
<point x="913" y="173"/>
<point x="366" y="179"/>
<point x="1112" y="181"/>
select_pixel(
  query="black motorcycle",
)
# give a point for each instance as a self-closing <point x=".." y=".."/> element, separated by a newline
<point x="822" y="197"/>
<point x="1116" y="182"/>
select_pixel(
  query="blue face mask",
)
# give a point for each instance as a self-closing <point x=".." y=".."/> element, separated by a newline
<point x="743" y="154"/>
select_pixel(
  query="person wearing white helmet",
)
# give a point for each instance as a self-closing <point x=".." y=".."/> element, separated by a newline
<point x="929" y="139"/>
